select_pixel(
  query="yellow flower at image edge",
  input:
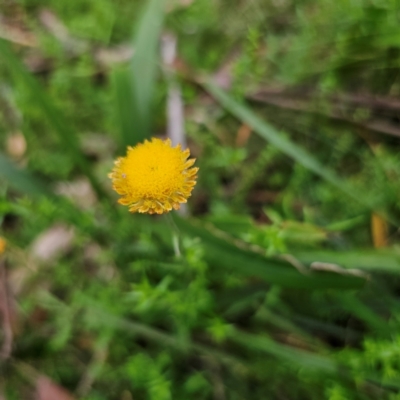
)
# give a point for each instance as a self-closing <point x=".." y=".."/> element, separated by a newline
<point x="2" y="245"/>
<point x="154" y="177"/>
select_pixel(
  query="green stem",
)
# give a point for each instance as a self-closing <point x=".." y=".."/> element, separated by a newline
<point x="175" y="235"/>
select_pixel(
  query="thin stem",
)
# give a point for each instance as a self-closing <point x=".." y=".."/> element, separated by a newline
<point x="175" y="236"/>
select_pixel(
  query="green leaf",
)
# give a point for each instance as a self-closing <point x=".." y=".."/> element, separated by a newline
<point x="225" y="252"/>
<point x="144" y="70"/>
<point x="21" y="180"/>
<point x="66" y="134"/>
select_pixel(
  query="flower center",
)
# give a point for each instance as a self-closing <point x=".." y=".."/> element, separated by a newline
<point x="154" y="170"/>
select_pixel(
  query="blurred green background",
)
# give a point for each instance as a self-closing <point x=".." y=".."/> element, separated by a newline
<point x="283" y="278"/>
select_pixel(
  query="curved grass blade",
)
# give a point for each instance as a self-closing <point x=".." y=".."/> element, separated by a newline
<point x="66" y="134"/>
<point x="224" y="253"/>
<point x="296" y="357"/>
<point x="296" y="152"/>
<point x="144" y="69"/>
<point x="375" y="322"/>
<point x="122" y="88"/>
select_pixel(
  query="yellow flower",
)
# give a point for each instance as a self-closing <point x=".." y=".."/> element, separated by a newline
<point x="154" y="177"/>
<point x="2" y="245"/>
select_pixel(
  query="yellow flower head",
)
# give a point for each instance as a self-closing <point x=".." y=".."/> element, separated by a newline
<point x="2" y="245"/>
<point x="154" y="177"/>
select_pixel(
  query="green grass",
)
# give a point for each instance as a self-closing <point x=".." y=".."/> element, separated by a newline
<point x="278" y="289"/>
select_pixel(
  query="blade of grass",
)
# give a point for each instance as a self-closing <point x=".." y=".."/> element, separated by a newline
<point x="164" y="338"/>
<point x="295" y="357"/>
<point x="267" y="316"/>
<point x="144" y="69"/>
<point x="364" y="259"/>
<point x="107" y="319"/>
<point x="283" y="143"/>
<point x="366" y="314"/>
<point x="122" y="87"/>
<point x="343" y="333"/>
<point x="224" y="253"/>
<point x="66" y="134"/>
<point x="20" y="179"/>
